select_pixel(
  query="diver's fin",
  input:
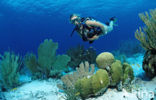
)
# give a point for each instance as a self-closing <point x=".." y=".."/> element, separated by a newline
<point x="113" y="18"/>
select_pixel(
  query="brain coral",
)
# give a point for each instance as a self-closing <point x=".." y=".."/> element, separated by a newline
<point x="104" y="59"/>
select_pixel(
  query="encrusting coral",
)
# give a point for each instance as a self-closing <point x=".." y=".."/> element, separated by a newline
<point x="48" y="63"/>
<point x="9" y="70"/>
<point x="147" y="38"/>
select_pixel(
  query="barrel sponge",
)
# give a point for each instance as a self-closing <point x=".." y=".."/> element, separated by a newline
<point x="104" y="59"/>
<point x="116" y="72"/>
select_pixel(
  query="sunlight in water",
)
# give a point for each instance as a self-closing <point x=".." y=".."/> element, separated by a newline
<point x="70" y="6"/>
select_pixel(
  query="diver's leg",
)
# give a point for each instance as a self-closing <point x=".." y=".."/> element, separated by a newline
<point x="109" y="27"/>
<point x="84" y="38"/>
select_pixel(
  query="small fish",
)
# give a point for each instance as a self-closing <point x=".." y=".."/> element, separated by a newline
<point x="14" y="89"/>
<point x="77" y="94"/>
<point x="138" y="65"/>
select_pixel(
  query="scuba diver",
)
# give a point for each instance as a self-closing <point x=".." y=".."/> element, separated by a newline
<point x="89" y="29"/>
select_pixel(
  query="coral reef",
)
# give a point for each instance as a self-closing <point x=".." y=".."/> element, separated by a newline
<point x="116" y="73"/>
<point x="147" y="35"/>
<point x="80" y="54"/>
<point x="128" y="73"/>
<point x="147" y="38"/>
<point x="149" y="63"/>
<point x="48" y="63"/>
<point x="83" y="71"/>
<point x="86" y="83"/>
<point x="104" y="59"/>
<point x="31" y="62"/>
<point x="94" y="85"/>
<point x="9" y="70"/>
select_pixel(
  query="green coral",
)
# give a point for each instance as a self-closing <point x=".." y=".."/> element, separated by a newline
<point x="94" y="85"/>
<point x="100" y="81"/>
<point x="104" y="60"/>
<point x="31" y="62"/>
<point x="116" y="72"/>
<point x="80" y="54"/>
<point x="48" y="63"/>
<point x="128" y="73"/>
<point x="59" y="65"/>
<point x="147" y="38"/>
<point x="87" y="83"/>
<point x="147" y="34"/>
<point x="47" y="55"/>
<point x="84" y="71"/>
<point x="84" y="87"/>
<point x="9" y="70"/>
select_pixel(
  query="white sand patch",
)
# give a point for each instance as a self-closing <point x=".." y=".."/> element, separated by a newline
<point x="113" y="94"/>
<point x="48" y="90"/>
<point x="36" y="90"/>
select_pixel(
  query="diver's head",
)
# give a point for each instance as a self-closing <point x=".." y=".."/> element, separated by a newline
<point x="75" y="19"/>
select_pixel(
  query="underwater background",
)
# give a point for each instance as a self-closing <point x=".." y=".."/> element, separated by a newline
<point x="39" y="60"/>
<point x="24" y="24"/>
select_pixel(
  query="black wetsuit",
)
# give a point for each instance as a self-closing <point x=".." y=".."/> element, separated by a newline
<point x="92" y="30"/>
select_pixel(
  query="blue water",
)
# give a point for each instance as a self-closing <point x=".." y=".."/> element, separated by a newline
<point x="24" y="24"/>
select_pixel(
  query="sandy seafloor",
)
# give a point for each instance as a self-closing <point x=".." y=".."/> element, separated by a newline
<point x="47" y="89"/>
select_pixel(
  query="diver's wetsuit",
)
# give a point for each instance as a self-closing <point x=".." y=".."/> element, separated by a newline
<point x="92" y="30"/>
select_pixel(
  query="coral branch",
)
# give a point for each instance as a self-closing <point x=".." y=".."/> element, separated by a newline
<point x="147" y="34"/>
